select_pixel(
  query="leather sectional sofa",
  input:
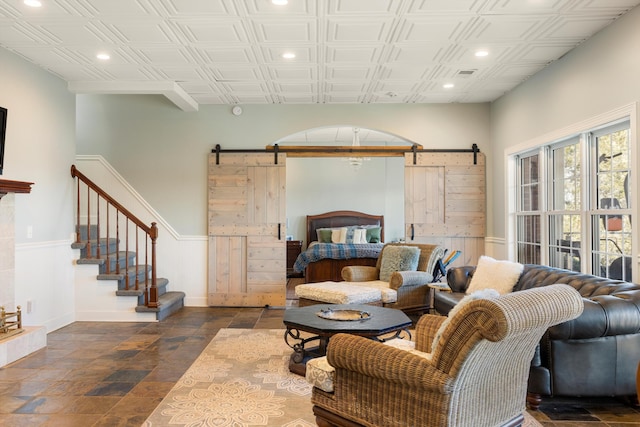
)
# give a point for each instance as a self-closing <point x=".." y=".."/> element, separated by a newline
<point x="596" y="354"/>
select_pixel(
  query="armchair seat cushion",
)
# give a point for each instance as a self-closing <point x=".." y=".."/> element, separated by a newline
<point x="320" y="373"/>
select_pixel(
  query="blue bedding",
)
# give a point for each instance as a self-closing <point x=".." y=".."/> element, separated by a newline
<point x="319" y="251"/>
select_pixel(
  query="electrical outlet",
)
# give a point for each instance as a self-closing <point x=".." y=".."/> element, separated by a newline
<point x="29" y="232"/>
<point x="29" y="306"/>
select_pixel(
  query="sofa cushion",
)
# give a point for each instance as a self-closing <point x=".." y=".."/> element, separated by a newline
<point x="398" y="258"/>
<point x="494" y="274"/>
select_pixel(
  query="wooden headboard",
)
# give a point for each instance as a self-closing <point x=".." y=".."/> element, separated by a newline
<point x="341" y="219"/>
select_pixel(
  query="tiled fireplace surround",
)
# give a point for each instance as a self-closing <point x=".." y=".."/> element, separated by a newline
<point x="32" y="338"/>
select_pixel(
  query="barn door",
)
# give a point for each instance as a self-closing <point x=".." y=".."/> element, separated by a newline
<point x="445" y="202"/>
<point x="246" y="230"/>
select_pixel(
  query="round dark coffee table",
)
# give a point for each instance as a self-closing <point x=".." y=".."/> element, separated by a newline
<point x="378" y="322"/>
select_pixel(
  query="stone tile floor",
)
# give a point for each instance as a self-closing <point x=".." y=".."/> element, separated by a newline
<point x="114" y="374"/>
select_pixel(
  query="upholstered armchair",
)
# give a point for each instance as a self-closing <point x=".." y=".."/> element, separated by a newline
<point x="412" y="288"/>
<point x="468" y="369"/>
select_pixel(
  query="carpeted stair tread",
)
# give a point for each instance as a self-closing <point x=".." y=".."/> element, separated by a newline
<point x="168" y="304"/>
<point x="161" y="284"/>
<point x="97" y="261"/>
<point x="102" y="241"/>
<point x="112" y="257"/>
<point x="105" y="245"/>
<point x="131" y="271"/>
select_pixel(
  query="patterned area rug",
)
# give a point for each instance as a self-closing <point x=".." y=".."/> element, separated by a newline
<point x="242" y="379"/>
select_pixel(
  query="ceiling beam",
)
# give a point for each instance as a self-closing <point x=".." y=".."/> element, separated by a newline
<point x="169" y="89"/>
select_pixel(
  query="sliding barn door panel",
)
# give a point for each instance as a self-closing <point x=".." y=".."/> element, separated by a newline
<point x="445" y="202"/>
<point x="247" y="252"/>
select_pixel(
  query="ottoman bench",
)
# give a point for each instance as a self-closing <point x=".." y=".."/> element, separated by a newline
<point x="343" y="293"/>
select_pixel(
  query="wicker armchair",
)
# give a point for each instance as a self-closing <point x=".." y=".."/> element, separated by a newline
<point x="475" y="374"/>
<point x="411" y="286"/>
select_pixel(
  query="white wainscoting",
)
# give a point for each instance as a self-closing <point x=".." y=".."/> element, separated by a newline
<point x="495" y="247"/>
<point x="44" y="283"/>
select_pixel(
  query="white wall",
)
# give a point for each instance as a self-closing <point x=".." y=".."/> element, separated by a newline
<point x="40" y="148"/>
<point x="599" y="76"/>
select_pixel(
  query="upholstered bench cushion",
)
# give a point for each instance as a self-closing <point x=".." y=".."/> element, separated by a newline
<point x="338" y="293"/>
<point x="388" y="295"/>
<point x="320" y="374"/>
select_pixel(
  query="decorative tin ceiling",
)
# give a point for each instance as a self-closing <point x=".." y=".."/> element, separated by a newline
<point x="346" y="51"/>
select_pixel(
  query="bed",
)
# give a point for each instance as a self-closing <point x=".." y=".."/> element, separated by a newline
<point x="324" y="261"/>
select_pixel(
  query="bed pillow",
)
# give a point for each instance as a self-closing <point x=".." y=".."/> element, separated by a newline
<point x="494" y="274"/>
<point x="324" y="235"/>
<point x="360" y="236"/>
<point x="339" y="235"/>
<point x="398" y="258"/>
<point x="350" y="233"/>
<point x="373" y="234"/>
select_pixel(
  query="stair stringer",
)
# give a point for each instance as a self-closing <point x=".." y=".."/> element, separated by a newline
<point x="96" y="300"/>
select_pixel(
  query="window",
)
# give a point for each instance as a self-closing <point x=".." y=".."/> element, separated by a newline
<point x="565" y="230"/>
<point x="528" y="235"/>
<point x="611" y="218"/>
<point x="579" y="216"/>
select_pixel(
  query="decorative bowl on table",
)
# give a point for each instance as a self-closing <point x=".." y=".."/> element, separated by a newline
<point x="343" y="314"/>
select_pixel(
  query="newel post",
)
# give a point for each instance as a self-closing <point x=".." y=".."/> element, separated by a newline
<point x="153" y="290"/>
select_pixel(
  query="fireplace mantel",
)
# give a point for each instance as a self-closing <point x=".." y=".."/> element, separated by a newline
<point x="8" y="186"/>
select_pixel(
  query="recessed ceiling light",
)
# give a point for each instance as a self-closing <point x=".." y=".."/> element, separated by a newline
<point x="481" y="53"/>
<point x="288" y="55"/>
<point x="103" y="56"/>
<point x="280" y="2"/>
<point x="448" y="85"/>
<point x="32" y="3"/>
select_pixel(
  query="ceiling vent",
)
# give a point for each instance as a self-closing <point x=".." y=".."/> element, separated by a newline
<point x="466" y="73"/>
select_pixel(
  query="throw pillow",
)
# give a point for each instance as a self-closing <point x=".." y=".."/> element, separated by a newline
<point x="324" y="235"/>
<point x="360" y="236"/>
<point x="373" y="234"/>
<point x="339" y="235"/>
<point x="398" y="258"/>
<point x="494" y="274"/>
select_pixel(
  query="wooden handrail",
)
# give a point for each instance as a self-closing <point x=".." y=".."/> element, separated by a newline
<point x="151" y="233"/>
<point x="77" y="174"/>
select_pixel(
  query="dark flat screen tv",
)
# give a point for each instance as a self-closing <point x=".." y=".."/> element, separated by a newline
<point x="3" y="134"/>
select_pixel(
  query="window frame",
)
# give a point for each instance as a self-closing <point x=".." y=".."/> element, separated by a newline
<point x="590" y="209"/>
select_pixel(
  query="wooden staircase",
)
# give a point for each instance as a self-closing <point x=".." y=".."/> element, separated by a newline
<point x="123" y="248"/>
